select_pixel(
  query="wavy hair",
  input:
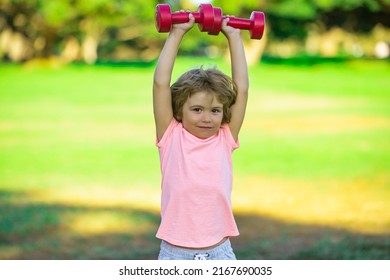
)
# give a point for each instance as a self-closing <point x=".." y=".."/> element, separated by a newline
<point x="210" y="80"/>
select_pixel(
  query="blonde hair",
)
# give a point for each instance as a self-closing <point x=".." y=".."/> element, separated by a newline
<point x="209" y="80"/>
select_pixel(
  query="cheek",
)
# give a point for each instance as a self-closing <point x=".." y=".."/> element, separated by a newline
<point x="219" y="118"/>
<point x="188" y="118"/>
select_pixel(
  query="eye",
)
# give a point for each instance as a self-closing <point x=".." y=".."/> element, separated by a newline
<point x="197" y="110"/>
<point x="216" y="111"/>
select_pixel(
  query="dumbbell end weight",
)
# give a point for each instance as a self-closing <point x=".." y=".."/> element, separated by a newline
<point x="217" y="22"/>
<point x="206" y="17"/>
<point x="258" y="21"/>
<point x="163" y="19"/>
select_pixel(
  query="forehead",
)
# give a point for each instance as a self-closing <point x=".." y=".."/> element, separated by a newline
<point x="203" y="98"/>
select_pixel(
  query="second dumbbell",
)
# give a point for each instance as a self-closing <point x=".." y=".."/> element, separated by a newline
<point x="255" y="24"/>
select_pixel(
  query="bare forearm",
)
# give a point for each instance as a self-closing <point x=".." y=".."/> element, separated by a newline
<point x="238" y="62"/>
<point x="164" y="68"/>
<point x="162" y="106"/>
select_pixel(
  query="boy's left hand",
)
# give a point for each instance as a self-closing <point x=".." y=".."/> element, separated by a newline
<point x="184" y="27"/>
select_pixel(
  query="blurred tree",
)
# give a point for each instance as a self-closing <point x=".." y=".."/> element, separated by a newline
<point x="45" y="25"/>
<point x="290" y="18"/>
<point x="124" y="30"/>
<point x="355" y="15"/>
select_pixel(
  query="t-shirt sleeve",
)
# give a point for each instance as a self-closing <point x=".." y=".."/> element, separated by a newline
<point x="167" y="133"/>
<point x="229" y="137"/>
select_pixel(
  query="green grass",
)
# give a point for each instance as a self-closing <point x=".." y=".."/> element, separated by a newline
<point x="73" y="122"/>
<point x="77" y="146"/>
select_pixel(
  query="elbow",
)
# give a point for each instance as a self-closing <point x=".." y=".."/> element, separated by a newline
<point x="159" y="85"/>
<point x="242" y="88"/>
<point x="242" y="85"/>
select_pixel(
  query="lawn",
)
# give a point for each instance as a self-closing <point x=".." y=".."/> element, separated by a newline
<point x="80" y="177"/>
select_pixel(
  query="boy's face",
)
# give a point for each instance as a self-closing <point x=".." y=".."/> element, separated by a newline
<point x="202" y="114"/>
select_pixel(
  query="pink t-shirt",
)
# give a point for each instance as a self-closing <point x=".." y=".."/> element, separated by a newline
<point x="196" y="209"/>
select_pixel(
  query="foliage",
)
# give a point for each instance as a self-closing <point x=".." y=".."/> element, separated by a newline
<point x="124" y="30"/>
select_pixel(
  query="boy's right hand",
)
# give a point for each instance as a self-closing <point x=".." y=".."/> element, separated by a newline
<point x="184" y="27"/>
<point x="229" y="31"/>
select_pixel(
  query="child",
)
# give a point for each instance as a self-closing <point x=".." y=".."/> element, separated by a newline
<point x="197" y="121"/>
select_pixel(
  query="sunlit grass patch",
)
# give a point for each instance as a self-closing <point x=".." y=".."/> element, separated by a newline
<point x="359" y="206"/>
<point x="107" y="221"/>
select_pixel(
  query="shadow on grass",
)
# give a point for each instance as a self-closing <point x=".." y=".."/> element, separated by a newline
<point x="31" y="230"/>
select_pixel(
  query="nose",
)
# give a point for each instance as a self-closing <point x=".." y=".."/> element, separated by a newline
<point x="206" y="118"/>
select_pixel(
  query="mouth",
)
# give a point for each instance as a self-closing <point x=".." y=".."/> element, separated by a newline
<point x="205" y="127"/>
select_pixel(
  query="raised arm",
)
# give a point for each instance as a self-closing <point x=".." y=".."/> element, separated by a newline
<point x="239" y="76"/>
<point x="162" y="104"/>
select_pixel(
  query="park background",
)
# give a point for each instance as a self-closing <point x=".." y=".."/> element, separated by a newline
<point x="79" y="170"/>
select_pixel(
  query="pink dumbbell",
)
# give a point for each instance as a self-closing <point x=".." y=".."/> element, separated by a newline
<point x="204" y="17"/>
<point x="255" y="24"/>
<point x="209" y="20"/>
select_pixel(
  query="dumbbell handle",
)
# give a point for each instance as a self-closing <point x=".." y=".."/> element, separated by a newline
<point x="183" y="17"/>
<point x="239" y="23"/>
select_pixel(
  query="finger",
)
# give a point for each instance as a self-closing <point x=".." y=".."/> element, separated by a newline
<point x="191" y="17"/>
<point x="225" y="21"/>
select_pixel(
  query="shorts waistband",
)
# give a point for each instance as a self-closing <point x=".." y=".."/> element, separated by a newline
<point x="190" y="253"/>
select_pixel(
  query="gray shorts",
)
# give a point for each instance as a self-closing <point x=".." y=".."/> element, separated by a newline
<point x="223" y="251"/>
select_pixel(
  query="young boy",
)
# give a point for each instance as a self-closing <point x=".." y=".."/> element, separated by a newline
<point x="198" y="120"/>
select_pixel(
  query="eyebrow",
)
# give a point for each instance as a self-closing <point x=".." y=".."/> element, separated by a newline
<point x="200" y="106"/>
